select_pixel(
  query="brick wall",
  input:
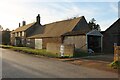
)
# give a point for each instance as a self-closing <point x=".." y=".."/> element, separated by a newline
<point x="50" y="40"/>
<point x="78" y="41"/>
<point x="55" y="49"/>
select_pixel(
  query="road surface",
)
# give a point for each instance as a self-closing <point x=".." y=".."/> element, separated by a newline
<point x="18" y="65"/>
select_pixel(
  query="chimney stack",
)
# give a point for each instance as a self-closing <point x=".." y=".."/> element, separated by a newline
<point x="23" y="23"/>
<point x="38" y="19"/>
<point x="19" y="24"/>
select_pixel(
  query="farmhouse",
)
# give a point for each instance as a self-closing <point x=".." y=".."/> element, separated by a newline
<point x="18" y="36"/>
<point x="111" y="37"/>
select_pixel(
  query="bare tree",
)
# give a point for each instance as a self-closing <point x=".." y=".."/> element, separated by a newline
<point x="1" y="28"/>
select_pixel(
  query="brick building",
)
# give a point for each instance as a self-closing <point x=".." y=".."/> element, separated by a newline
<point x="55" y="33"/>
<point x="19" y="35"/>
<point x="111" y="36"/>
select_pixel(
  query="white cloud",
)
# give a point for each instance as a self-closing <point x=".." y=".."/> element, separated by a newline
<point x="14" y="11"/>
<point x="70" y="10"/>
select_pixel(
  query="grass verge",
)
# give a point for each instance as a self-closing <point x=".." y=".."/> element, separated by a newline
<point x="41" y="52"/>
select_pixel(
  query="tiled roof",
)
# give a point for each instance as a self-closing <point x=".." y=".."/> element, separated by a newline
<point x="59" y="28"/>
<point x="73" y="33"/>
<point x="23" y="28"/>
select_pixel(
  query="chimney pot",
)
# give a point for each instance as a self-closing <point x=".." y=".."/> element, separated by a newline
<point x="24" y="23"/>
<point x="19" y="24"/>
<point x="38" y="19"/>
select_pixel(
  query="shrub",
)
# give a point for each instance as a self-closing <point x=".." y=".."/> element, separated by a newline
<point x="115" y="64"/>
<point x="79" y="53"/>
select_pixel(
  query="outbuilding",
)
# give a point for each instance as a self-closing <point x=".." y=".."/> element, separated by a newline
<point x="111" y="36"/>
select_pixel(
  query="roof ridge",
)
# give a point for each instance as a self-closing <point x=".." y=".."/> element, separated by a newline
<point x="112" y="25"/>
<point x="18" y="29"/>
<point x="62" y="20"/>
<point x="27" y="24"/>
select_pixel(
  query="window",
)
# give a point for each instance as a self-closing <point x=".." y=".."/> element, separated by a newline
<point x="12" y="35"/>
<point x="15" y="34"/>
<point x="23" y="41"/>
<point x="28" y="41"/>
<point x="23" y="34"/>
<point x="19" y="34"/>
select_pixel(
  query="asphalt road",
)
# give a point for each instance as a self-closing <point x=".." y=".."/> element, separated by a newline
<point x="17" y="65"/>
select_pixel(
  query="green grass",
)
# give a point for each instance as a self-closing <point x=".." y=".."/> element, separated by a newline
<point x="6" y="46"/>
<point x="41" y="52"/>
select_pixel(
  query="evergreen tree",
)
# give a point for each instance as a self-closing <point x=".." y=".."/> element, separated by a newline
<point x="92" y="24"/>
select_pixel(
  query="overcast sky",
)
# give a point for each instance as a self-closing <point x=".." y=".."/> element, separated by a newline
<point x="14" y="11"/>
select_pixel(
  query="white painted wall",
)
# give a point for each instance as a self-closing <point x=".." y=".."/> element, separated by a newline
<point x="38" y="43"/>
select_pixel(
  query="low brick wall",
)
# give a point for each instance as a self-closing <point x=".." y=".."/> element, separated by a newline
<point x="55" y="48"/>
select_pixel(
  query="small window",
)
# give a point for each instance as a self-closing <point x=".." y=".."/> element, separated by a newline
<point x="19" y="34"/>
<point x="15" y="34"/>
<point x="23" y="34"/>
